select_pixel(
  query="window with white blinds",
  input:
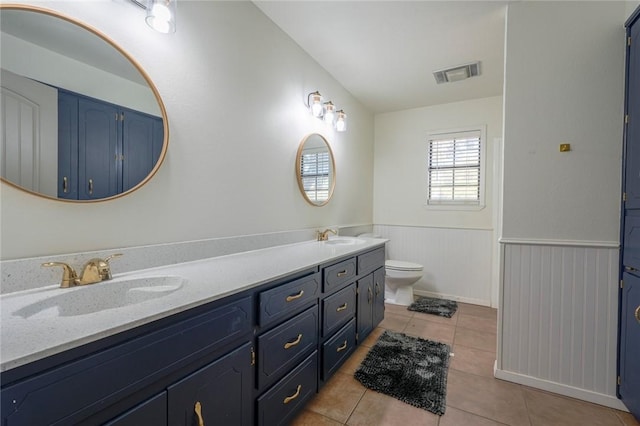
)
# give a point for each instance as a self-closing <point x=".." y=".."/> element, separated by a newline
<point x="455" y="168"/>
<point x="315" y="169"/>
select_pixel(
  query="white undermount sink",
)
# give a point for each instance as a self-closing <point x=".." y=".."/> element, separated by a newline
<point x="342" y="241"/>
<point x="97" y="297"/>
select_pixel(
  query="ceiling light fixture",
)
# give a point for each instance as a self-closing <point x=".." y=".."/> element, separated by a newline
<point x="326" y="111"/>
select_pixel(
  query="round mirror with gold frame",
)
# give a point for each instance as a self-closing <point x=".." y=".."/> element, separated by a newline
<point x="82" y="120"/>
<point x="315" y="169"/>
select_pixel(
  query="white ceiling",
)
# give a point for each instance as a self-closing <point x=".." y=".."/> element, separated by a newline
<point x="67" y="39"/>
<point x="385" y="52"/>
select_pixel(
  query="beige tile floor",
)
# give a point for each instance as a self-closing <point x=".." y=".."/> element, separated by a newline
<point x="474" y="396"/>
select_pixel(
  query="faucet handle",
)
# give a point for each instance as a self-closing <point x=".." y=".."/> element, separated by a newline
<point x="105" y="269"/>
<point x="69" y="276"/>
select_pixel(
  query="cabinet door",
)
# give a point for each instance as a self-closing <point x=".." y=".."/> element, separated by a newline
<point x="150" y="412"/>
<point x="67" y="146"/>
<point x="220" y="392"/>
<point x="365" y="307"/>
<point x="141" y="136"/>
<point x="97" y="150"/>
<point x="378" y="296"/>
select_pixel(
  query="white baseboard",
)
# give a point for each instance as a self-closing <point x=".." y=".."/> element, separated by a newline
<point x="471" y="301"/>
<point x="559" y="388"/>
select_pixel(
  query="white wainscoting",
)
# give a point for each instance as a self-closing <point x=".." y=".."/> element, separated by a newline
<point x="457" y="262"/>
<point x="558" y="318"/>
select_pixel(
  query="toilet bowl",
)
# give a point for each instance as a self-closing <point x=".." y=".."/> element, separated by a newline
<point x="400" y="276"/>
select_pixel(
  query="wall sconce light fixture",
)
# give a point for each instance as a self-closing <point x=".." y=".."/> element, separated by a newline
<point x="329" y="112"/>
<point x="341" y="121"/>
<point x="314" y="102"/>
<point x="161" y="14"/>
<point x="326" y="111"/>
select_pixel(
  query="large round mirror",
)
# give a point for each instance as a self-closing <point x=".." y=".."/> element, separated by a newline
<point x="81" y="120"/>
<point x="315" y="169"/>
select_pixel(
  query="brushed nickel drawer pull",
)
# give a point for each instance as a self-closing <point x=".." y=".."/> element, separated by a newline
<point x="294" y="396"/>
<point x="295" y="342"/>
<point x="341" y="308"/>
<point x="377" y="288"/>
<point x="343" y="347"/>
<point x="342" y="273"/>
<point x="90" y="186"/>
<point x="295" y="296"/>
<point x="638" y="314"/>
<point x="198" y="410"/>
<point x="65" y="185"/>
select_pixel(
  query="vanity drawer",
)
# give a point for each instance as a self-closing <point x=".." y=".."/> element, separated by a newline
<point x="283" y="347"/>
<point x="285" y="300"/>
<point x="283" y="401"/>
<point x="337" y="349"/>
<point x="338" y="275"/>
<point x="65" y="394"/>
<point x="338" y="309"/>
<point x="370" y="261"/>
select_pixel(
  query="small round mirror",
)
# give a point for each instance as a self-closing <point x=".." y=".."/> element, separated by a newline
<point x="315" y="169"/>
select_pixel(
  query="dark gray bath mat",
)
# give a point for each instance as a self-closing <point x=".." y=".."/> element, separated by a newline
<point x="431" y="305"/>
<point x="407" y="368"/>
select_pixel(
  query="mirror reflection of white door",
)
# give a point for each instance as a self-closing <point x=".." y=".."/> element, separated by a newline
<point x="29" y="118"/>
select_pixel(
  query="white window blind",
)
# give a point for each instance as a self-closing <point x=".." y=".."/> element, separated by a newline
<point x="454" y="168"/>
<point x="315" y="168"/>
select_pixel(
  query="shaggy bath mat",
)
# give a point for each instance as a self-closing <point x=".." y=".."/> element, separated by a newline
<point x="407" y="368"/>
<point x="431" y="305"/>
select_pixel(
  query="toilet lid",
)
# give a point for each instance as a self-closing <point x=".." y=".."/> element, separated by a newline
<point x="400" y="265"/>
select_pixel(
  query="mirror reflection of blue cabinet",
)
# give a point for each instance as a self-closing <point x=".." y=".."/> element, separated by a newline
<point x="103" y="149"/>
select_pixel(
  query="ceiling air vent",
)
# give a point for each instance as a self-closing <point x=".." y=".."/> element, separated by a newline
<point x="458" y="73"/>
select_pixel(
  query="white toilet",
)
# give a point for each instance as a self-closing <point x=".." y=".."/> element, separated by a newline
<point x="400" y="276"/>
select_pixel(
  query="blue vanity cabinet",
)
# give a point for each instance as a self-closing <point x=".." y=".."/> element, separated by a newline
<point x="338" y="309"/>
<point x="98" y="135"/>
<point x="365" y="306"/>
<point x="101" y="385"/>
<point x="67" y="146"/>
<point x="338" y="348"/>
<point x="283" y="347"/>
<point x="219" y="393"/>
<point x="370" y="302"/>
<point x="150" y="412"/>
<point x="378" y="296"/>
<point x="103" y="149"/>
<point x="255" y="357"/>
<point x="142" y="140"/>
<point x="281" y="403"/>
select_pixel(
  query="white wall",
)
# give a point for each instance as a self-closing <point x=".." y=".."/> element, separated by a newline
<point x="234" y="86"/>
<point x="455" y="246"/>
<point x="400" y="173"/>
<point x="563" y="84"/>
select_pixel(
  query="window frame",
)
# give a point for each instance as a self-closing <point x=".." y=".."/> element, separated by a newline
<point x="462" y="204"/>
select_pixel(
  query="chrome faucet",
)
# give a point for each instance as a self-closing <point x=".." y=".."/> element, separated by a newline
<point x="94" y="271"/>
<point x="324" y="235"/>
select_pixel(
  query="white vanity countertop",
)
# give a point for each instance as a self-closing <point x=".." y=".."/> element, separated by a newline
<point x="24" y="340"/>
